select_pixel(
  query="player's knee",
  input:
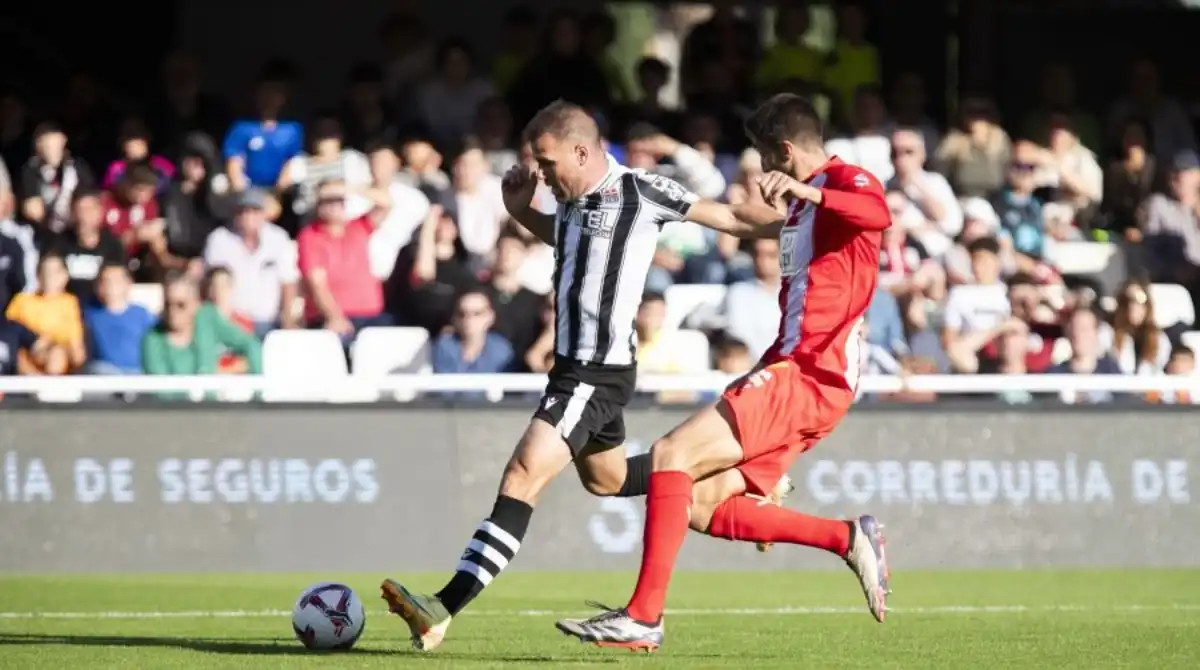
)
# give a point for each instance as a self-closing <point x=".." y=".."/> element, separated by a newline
<point x="666" y="454"/>
<point x="601" y="484"/>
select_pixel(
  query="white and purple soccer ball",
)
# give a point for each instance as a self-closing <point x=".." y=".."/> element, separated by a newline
<point x="329" y="616"/>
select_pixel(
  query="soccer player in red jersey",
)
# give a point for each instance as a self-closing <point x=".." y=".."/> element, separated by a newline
<point x="830" y="237"/>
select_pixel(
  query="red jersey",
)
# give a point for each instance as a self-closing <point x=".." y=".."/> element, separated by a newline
<point x="829" y="261"/>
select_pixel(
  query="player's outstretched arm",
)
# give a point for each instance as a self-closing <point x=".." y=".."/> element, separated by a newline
<point x="747" y="220"/>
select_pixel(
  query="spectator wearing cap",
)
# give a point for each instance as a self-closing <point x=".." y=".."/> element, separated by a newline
<point x="941" y="215"/>
<point x="87" y="245"/>
<point x="867" y="145"/>
<point x="341" y="293"/>
<point x="197" y="202"/>
<point x="114" y="326"/>
<point x="402" y="215"/>
<point x="1019" y="210"/>
<point x="134" y="147"/>
<point x="975" y="155"/>
<point x="478" y="200"/>
<point x="262" y="261"/>
<point x="327" y="159"/>
<point x="48" y="181"/>
<point x="1129" y="180"/>
<point x="1171" y="225"/>
<point x="256" y="149"/>
<point x="430" y="272"/>
<point x="448" y="102"/>
<point x="470" y="347"/>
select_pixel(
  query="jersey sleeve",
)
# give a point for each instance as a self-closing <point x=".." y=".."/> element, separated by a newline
<point x="856" y="197"/>
<point x="669" y="198"/>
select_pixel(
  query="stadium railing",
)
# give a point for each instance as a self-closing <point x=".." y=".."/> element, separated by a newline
<point x="493" y="387"/>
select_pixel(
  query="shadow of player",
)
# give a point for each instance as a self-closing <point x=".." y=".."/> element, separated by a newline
<point x="251" y="647"/>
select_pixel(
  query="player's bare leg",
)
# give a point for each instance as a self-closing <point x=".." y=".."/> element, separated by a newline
<point x="703" y="445"/>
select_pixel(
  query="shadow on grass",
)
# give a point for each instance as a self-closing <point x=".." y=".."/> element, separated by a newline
<point x="262" y="647"/>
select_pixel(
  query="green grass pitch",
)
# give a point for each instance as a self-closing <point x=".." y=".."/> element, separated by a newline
<point x="1017" y="619"/>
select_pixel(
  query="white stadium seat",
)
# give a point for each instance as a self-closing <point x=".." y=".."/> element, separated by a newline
<point x="1080" y="258"/>
<point x="149" y="296"/>
<point x="1172" y="305"/>
<point x="1191" y="340"/>
<point x="379" y="352"/>
<point x="312" y="358"/>
<point x="683" y="300"/>
<point x="691" y="346"/>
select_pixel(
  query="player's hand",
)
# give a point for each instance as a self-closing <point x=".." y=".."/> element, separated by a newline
<point x="777" y="188"/>
<point x="518" y="186"/>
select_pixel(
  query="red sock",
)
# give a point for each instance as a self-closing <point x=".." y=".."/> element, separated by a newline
<point x="667" y="513"/>
<point x="742" y="518"/>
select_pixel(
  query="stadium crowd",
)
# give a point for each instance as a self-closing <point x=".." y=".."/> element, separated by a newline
<point x="385" y="209"/>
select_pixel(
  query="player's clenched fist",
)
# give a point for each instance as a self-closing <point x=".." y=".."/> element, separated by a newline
<point x="518" y="185"/>
<point x="780" y="189"/>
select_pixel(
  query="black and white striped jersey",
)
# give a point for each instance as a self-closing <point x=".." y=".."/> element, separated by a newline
<point x="604" y="243"/>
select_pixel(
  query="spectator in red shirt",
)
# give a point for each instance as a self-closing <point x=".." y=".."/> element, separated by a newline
<point x="131" y="213"/>
<point x="341" y="293"/>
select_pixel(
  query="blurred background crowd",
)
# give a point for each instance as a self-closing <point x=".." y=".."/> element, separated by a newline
<point x="178" y="231"/>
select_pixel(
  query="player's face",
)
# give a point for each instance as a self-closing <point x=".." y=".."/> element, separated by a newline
<point x="561" y="165"/>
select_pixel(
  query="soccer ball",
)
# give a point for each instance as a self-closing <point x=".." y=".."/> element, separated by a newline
<point x="329" y="616"/>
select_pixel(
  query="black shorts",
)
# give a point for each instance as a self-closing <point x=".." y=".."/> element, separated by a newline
<point x="586" y="402"/>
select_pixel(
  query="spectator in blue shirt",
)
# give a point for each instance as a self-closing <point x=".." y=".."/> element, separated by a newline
<point x="257" y="149"/>
<point x="1087" y="356"/>
<point x="470" y="347"/>
<point x="887" y="326"/>
<point x="1019" y="210"/>
<point x="115" y="327"/>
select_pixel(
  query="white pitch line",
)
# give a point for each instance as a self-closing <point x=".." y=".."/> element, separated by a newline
<point x="775" y="611"/>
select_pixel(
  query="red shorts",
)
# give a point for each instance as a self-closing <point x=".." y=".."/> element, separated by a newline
<point x="780" y="413"/>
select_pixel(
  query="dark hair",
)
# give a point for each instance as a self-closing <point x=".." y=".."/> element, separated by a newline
<point x="325" y="126"/>
<point x="653" y="296"/>
<point x="140" y="174"/>
<point x="277" y="71"/>
<point x="449" y="46"/>
<point x="210" y="275"/>
<point x="1147" y="132"/>
<point x="1022" y="279"/>
<point x="474" y="289"/>
<point x="728" y="344"/>
<point x="641" y="130"/>
<point x="377" y="144"/>
<point x="134" y="128"/>
<point x="785" y="117"/>
<point x="651" y="65"/>
<point x="47" y="128"/>
<point x="1182" y="350"/>
<point x="988" y="244"/>
<point x="113" y="265"/>
<point x="82" y="193"/>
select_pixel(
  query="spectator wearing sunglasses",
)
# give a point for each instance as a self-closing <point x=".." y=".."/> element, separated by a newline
<point x="193" y="336"/>
<point x="938" y="217"/>
<point x="1019" y="210"/>
<point x="470" y="347"/>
